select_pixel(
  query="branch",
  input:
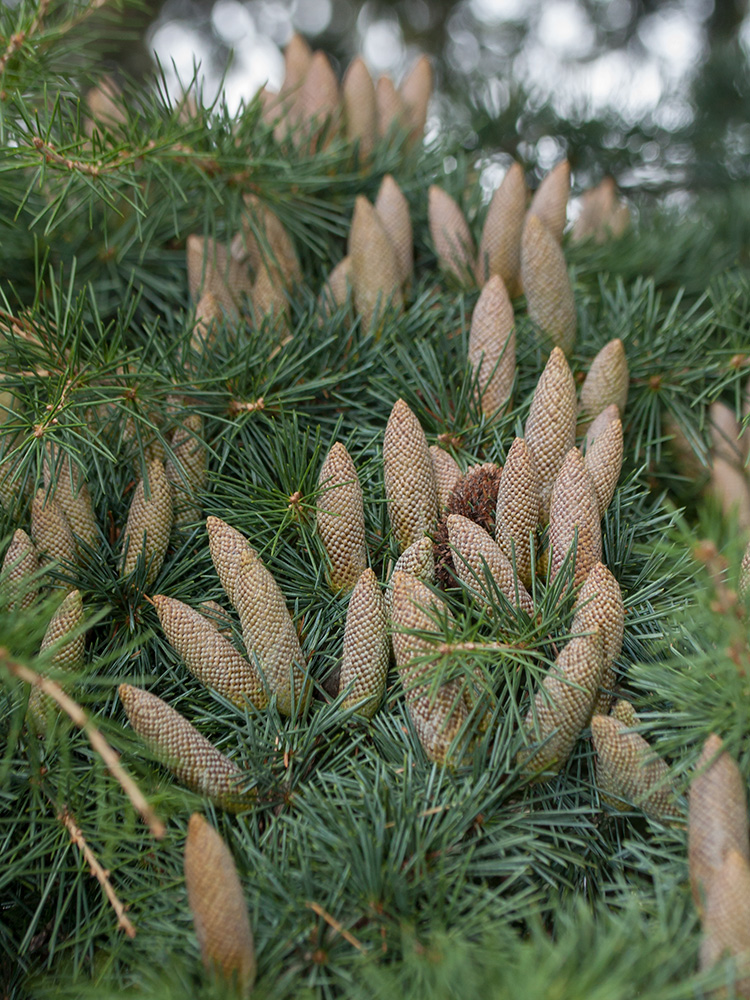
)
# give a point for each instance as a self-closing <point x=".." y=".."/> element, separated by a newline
<point x="77" y="715"/>
<point x="333" y="922"/>
<point x="97" y="871"/>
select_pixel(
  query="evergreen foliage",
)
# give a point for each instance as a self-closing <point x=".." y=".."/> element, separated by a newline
<point x="368" y="870"/>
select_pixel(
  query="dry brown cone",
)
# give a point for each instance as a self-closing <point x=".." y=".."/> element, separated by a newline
<point x="744" y="584"/>
<point x="149" y="523"/>
<point x="64" y="482"/>
<point x="550" y="201"/>
<point x="51" y="532"/>
<point x="492" y="347"/>
<point x="517" y="512"/>
<point x="19" y="567"/>
<point x="476" y="554"/>
<point x="500" y="246"/>
<point x="607" y="381"/>
<point x="410" y="488"/>
<point x="599" y="425"/>
<point x="178" y="745"/>
<point x="550" y="430"/>
<point x="208" y="654"/>
<point x="726" y="922"/>
<point x="549" y="294"/>
<point x="390" y="108"/>
<point x="602" y="214"/>
<point x="563" y="706"/>
<point x="66" y="642"/>
<point x="599" y="606"/>
<point x="574" y="518"/>
<point x="474" y="496"/>
<point x="360" y="111"/>
<point x="604" y="462"/>
<point x="318" y="102"/>
<point x="367" y="647"/>
<point x="447" y="474"/>
<point x="438" y="715"/>
<point x="212" y="268"/>
<point x="217" y="902"/>
<point x="717" y="817"/>
<point x="341" y="519"/>
<point x="415" y="92"/>
<point x="628" y="770"/>
<point x="419" y="561"/>
<point x="374" y="268"/>
<point x="267" y="627"/>
<point x="393" y="211"/>
<point x="450" y="234"/>
<point x="189" y="463"/>
<point x="207" y="317"/>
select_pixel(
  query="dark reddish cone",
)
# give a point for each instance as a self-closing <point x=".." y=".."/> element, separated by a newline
<point x="474" y="496"/>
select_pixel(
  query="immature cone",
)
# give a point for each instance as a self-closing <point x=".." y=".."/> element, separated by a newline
<point x="64" y="482"/>
<point x="374" y="268"/>
<point x="551" y="425"/>
<point x="717" y="818"/>
<point x="450" y="234"/>
<point x="599" y="606"/>
<point x="549" y="295"/>
<point x="393" y="211"/>
<point x="628" y="770"/>
<point x="267" y="627"/>
<point x="341" y="518"/>
<point x="211" y="268"/>
<point x="51" y="532"/>
<point x="602" y="214"/>
<point x="66" y="642"/>
<point x="410" y="488"/>
<point x="149" y="523"/>
<point x="447" y="474"/>
<point x="475" y="555"/>
<point x="419" y="561"/>
<point x="500" y="246"/>
<point x="517" y="513"/>
<point x="366" y="647"/>
<point x="604" y="462"/>
<point x="17" y="573"/>
<point x="598" y="426"/>
<point x="550" y="201"/>
<point x="390" y="107"/>
<point x="438" y="714"/>
<point x="492" y="346"/>
<point x="358" y="93"/>
<point x="187" y="471"/>
<point x="208" y="655"/>
<point x="744" y="584"/>
<point x="726" y="921"/>
<point x="415" y="92"/>
<point x="563" y="706"/>
<point x="192" y="759"/>
<point x="217" y="902"/>
<point x="574" y="517"/>
<point x="607" y="381"/>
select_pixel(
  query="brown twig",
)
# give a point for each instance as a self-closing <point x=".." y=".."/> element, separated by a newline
<point x="339" y="928"/>
<point x="77" y="715"/>
<point x="99" y="873"/>
<point x="16" y="41"/>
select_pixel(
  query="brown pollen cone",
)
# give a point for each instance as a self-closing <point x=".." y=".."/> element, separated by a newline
<point x="628" y="769"/>
<point x="447" y="474"/>
<point x="207" y="318"/>
<point x="517" y="512"/>
<point x="208" y="654"/>
<point x="192" y="759"/>
<point x="390" y="108"/>
<point x="337" y="286"/>
<point x="574" y="517"/>
<point x="50" y="531"/>
<point x="550" y="201"/>
<point x="500" y="246"/>
<point x="563" y="707"/>
<point x="415" y="92"/>
<point x="599" y="606"/>
<point x="726" y="921"/>
<point x="492" y="347"/>
<point x="341" y="518"/>
<point x="65" y="640"/>
<point x="149" y="523"/>
<point x="17" y="573"/>
<point x="604" y="463"/>
<point x="65" y="483"/>
<point x="374" y="268"/>
<point x="410" y="488"/>
<point x="744" y="582"/>
<point x="318" y="100"/>
<point x="550" y="430"/>
<point x="603" y="215"/>
<point x="418" y="560"/>
<point x="360" y="112"/>
<point x="217" y="902"/>
<point x="476" y="554"/>
<point x="393" y="211"/>
<point x="451" y="238"/>
<point x="607" y="381"/>
<point x="600" y="423"/>
<point x="549" y="294"/>
<point x="190" y="462"/>
<point x="438" y="714"/>
<point x="211" y="268"/>
<point x="366" y="647"/>
<point x="717" y="817"/>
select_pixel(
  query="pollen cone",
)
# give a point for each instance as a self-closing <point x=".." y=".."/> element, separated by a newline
<point x="366" y="647"/>
<point x="341" y="518"/>
<point x="550" y="201"/>
<point x="500" y="246"/>
<point x="410" y="487"/>
<point x="450" y="234"/>
<point x="492" y="346"/>
<point x="374" y="268"/>
<point x="549" y="295"/>
<point x="360" y="110"/>
<point x="415" y="92"/>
